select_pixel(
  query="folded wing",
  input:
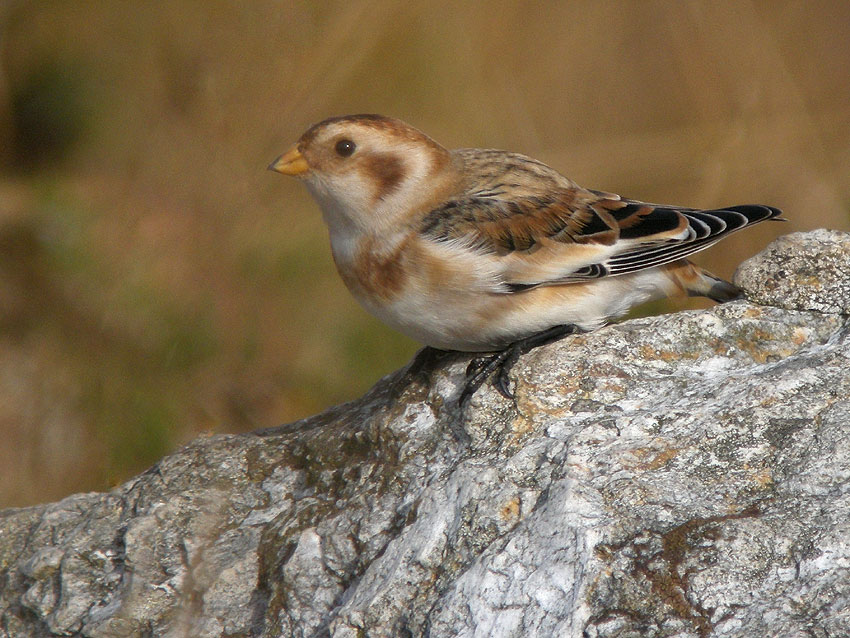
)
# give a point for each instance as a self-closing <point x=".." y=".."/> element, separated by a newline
<point x="573" y="234"/>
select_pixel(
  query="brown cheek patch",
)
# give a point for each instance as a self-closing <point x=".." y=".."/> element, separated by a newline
<point x="386" y="169"/>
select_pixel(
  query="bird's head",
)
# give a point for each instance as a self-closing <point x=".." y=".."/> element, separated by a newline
<point x="367" y="171"/>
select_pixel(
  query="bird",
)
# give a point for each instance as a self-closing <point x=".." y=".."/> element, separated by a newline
<point x="491" y="251"/>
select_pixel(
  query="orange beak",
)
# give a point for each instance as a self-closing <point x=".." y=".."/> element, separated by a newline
<point x="290" y="163"/>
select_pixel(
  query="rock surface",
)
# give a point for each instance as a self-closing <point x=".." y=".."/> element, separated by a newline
<point x="801" y="271"/>
<point x="685" y="475"/>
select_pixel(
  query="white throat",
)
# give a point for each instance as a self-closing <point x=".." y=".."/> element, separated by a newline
<point x="355" y="202"/>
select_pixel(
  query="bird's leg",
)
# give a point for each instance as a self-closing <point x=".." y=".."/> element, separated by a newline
<point x="424" y="363"/>
<point x="481" y="368"/>
<point x="426" y="360"/>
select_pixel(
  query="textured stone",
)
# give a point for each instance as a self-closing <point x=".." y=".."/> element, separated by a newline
<point x="685" y="475"/>
<point x="801" y="271"/>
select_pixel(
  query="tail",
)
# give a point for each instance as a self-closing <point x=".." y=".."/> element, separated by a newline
<point x="696" y="282"/>
<point x="719" y="290"/>
<point x="699" y="229"/>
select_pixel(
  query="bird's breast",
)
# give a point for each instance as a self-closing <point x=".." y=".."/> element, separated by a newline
<point x="430" y="293"/>
<point x="372" y="272"/>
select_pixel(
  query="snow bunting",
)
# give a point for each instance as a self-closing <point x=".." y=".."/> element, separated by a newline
<point x="486" y="250"/>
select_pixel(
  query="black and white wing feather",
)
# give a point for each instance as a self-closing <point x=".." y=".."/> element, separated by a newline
<point x="547" y="231"/>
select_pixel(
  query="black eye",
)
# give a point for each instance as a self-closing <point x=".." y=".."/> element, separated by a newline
<point x="344" y="148"/>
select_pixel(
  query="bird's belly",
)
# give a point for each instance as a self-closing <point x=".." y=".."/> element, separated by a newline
<point x="454" y="300"/>
<point x="475" y="321"/>
<point x="436" y="319"/>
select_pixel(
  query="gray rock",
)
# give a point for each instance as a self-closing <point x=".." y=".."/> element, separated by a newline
<point x="801" y="271"/>
<point x="685" y="475"/>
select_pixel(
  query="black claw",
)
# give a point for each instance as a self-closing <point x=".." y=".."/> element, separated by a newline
<point x="476" y="374"/>
<point x="503" y="384"/>
<point x="502" y="381"/>
<point x="480" y="369"/>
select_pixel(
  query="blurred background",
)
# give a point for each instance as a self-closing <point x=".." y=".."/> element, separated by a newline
<point x="157" y="283"/>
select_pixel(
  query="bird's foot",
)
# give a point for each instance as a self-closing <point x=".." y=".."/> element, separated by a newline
<point x="480" y="369"/>
<point x="425" y="361"/>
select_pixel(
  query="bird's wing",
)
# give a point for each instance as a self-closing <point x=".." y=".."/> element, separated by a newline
<point x="572" y="234"/>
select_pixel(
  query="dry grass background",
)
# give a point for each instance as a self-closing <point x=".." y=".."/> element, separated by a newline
<point x="156" y="282"/>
